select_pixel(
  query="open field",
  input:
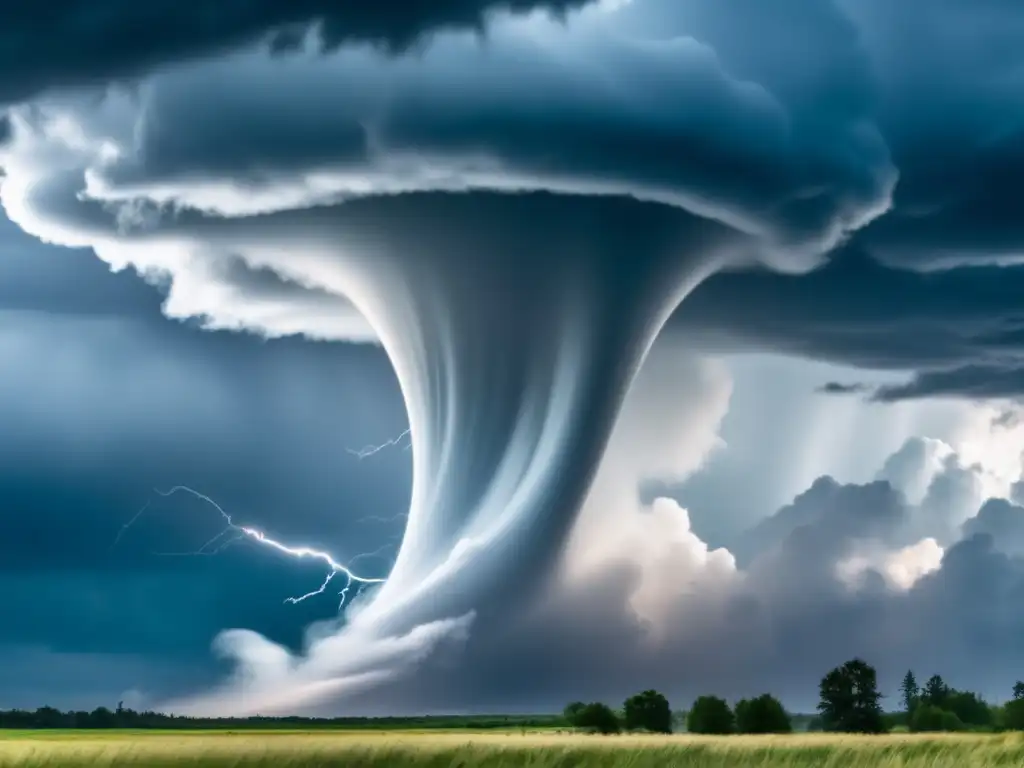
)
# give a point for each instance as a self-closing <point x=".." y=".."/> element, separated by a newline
<point x="536" y="750"/>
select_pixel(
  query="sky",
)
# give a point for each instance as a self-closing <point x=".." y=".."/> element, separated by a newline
<point x="591" y="346"/>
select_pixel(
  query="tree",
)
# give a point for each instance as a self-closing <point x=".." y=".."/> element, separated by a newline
<point x="101" y="717"/>
<point x="710" y="714"/>
<point x="48" y="717"/>
<point x="850" y="699"/>
<point x="969" y="707"/>
<point x="647" y="711"/>
<point x="572" y="712"/>
<point x="764" y="714"/>
<point x="598" y="718"/>
<point x="928" y="717"/>
<point x="936" y="692"/>
<point x="909" y="692"/>
<point x="1013" y="715"/>
<point x="1013" y="710"/>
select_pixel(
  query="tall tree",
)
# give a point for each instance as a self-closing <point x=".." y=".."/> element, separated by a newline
<point x="936" y="692"/>
<point x="647" y="711"/>
<point x="909" y="691"/>
<point x="850" y="701"/>
<point x="1013" y="712"/>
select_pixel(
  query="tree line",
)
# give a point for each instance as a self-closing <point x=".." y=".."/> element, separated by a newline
<point x="936" y="706"/>
<point x="650" y="711"/>
<point x="849" y="701"/>
<point x="124" y="717"/>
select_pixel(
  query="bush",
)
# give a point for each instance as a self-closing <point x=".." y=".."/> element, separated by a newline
<point x="969" y="707"/>
<point x="647" y="711"/>
<point x="572" y="712"/>
<point x="710" y="714"/>
<point x="1013" y="715"/>
<point x="765" y="714"/>
<point x="595" y="717"/>
<point x="929" y="718"/>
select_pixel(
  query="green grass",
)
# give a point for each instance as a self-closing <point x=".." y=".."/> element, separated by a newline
<point x="534" y="750"/>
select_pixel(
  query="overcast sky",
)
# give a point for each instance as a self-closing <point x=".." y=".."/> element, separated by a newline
<point x="243" y="250"/>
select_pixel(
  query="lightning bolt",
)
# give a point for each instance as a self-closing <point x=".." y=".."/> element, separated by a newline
<point x="320" y="590"/>
<point x="370" y="450"/>
<point x="350" y="579"/>
<point x="129" y="524"/>
<point x="219" y="543"/>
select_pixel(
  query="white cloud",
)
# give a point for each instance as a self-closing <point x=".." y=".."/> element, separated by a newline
<point x="901" y="568"/>
<point x="667" y="429"/>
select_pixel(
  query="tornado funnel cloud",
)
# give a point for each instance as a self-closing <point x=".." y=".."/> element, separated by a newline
<point x="515" y="324"/>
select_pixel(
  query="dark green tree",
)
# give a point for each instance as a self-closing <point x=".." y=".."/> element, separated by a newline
<point x="764" y="714"/>
<point x="710" y="714"/>
<point x="101" y="717"/>
<point x="647" y="711"/>
<point x="909" y="692"/>
<point x="936" y="692"/>
<point x="48" y="717"/>
<point x="850" y="699"/>
<point x="1013" y="710"/>
<point x="1013" y="715"/>
<point x="930" y="718"/>
<point x="969" y="707"/>
<point x="598" y="718"/>
<point x="572" y="712"/>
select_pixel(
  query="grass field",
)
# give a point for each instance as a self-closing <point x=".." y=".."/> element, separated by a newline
<point x="509" y="750"/>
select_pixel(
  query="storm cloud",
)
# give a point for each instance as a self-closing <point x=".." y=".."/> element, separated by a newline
<point x="514" y="217"/>
<point x="76" y="43"/>
<point x="959" y="329"/>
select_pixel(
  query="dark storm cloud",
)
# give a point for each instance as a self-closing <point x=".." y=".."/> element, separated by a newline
<point x="980" y="382"/>
<point x="80" y="42"/>
<point x="737" y="152"/>
<point x="944" y="88"/>
<point x="82" y="457"/>
<point x="840" y="388"/>
<point x="962" y="329"/>
<point x="102" y="400"/>
<point x="86" y="680"/>
<point x="950" y="104"/>
<point x="949" y="108"/>
<point x="1003" y="521"/>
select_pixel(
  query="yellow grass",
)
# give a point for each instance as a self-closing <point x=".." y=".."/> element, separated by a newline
<point x="478" y="750"/>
